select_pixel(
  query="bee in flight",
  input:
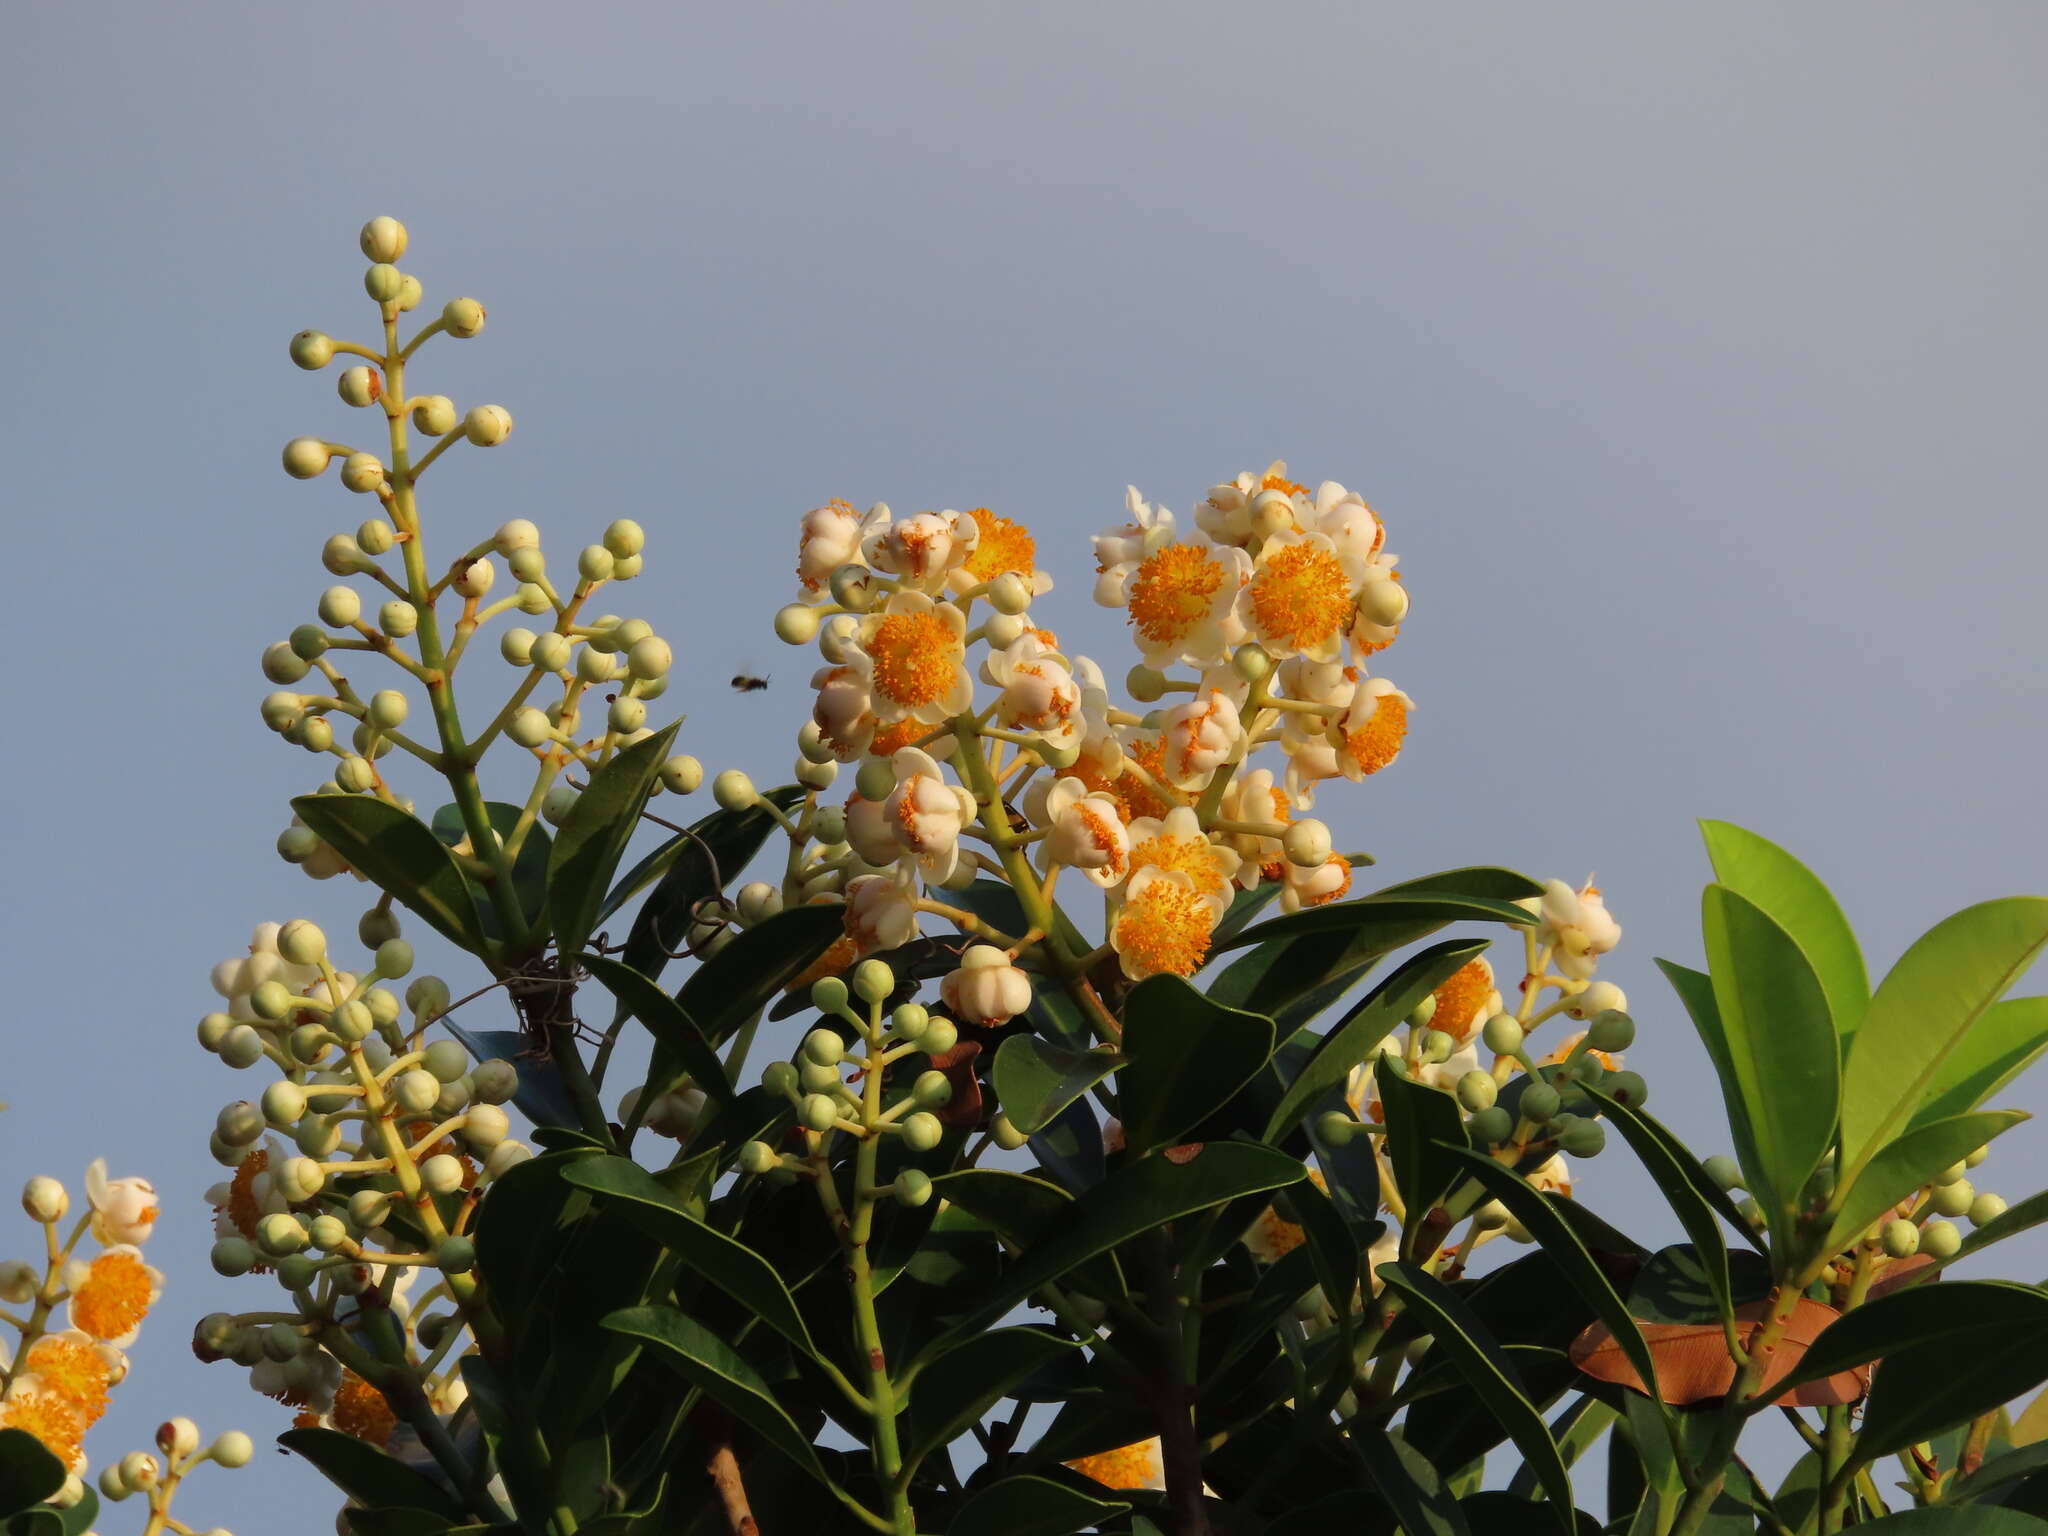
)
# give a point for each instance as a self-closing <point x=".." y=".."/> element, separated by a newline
<point x="745" y="683"/>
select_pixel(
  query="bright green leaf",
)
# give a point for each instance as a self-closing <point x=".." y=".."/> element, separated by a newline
<point x="1998" y="1328"/>
<point x="1998" y="1047"/>
<point x="1186" y="1058"/>
<point x="1034" y="1079"/>
<point x="1902" y="1166"/>
<point x="593" y="837"/>
<point x="1798" y="902"/>
<point x="400" y="855"/>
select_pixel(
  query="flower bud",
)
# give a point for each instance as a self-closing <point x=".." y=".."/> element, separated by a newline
<point x="1597" y="998"/>
<point x="1477" y="1090"/>
<point x="1723" y="1171"/>
<point x="388" y="709"/>
<point x="1251" y="661"/>
<point x="796" y="624"/>
<point x="519" y="533"/>
<point x="1626" y="1088"/>
<point x="282" y="664"/>
<point x="873" y="981"/>
<point x="362" y="472"/>
<point x="1611" y="1030"/>
<point x="233" y="1449"/>
<point x="649" y="657"/>
<point x="734" y="791"/>
<point x="455" y="1254"/>
<point x="280" y="1233"/>
<point x="409" y="291"/>
<point x="140" y="1470"/>
<point x="757" y="1157"/>
<point x="824" y="1047"/>
<point x="241" y="1047"/>
<point x="1436" y="1045"/>
<point x="624" y="538"/>
<point x="1940" y="1239"/>
<point x="493" y="1081"/>
<point x="485" y="1125"/>
<point x="1383" y="602"/>
<point x="434" y="415"/>
<point x="1503" y="1034"/>
<point x="1952" y="1173"/>
<point x="682" y="775"/>
<point x="463" y="317"/>
<point x="475" y="579"/>
<point x="306" y="457"/>
<point x="1009" y="594"/>
<point x="301" y="942"/>
<point x="487" y="425"/>
<point x="939" y="1037"/>
<point x="1337" y="1128"/>
<point x="932" y="1090"/>
<point x="359" y="386"/>
<point x="441" y="1174"/>
<point x="912" y="1187"/>
<point x="1952" y="1199"/>
<point x="1145" y="684"/>
<point x="312" y="350"/>
<point x="1491" y="1127"/>
<point x="1583" y="1138"/>
<point x="852" y="587"/>
<point x="340" y="607"/>
<point x="922" y="1131"/>
<point x="45" y="1199"/>
<point x="595" y="563"/>
<point x="384" y="282"/>
<point x="284" y="1103"/>
<point x="416" y="1090"/>
<point x="819" y="1111"/>
<point x="1539" y="1103"/>
<point x="1004" y="1133"/>
<point x="1986" y="1208"/>
<point x="383" y="239"/>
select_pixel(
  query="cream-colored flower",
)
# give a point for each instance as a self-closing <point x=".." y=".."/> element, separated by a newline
<point x="1362" y="1090"/>
<point x="1253" y="797"/>
<point x="1228" y="515"/>
<point x="1314" y="885"/>
<point x="832" y="536"/>
<point x="1085" y="833"/>
<point x="1374" y="727"/>
<point x="1183" y="600"/>
<point x="925" y="549"/>
<point x="1351" y="526"/>
<point x="1000" y="545"/>
<point x="987" y="989"/>
<point x="881" y="912"/>
<point x="123" y="1210"/>
<point x="1039" y="694"/>
<point x="112" y="1294"/>
<point x="1201" y="736"/>
<point x="927" y="813"/>
<point x="1466" y="1001"/>
<point x="1299" y="599"/>
<point x="844" y="711"/>
<point x="869" y="832"/>
<point x="1578" y="926"/>
<point x="911" y="653"/>
<point x="49" y="1416"/>
<point x="1165" y="924"/>
<point x="1177" y="841"/>
<point x="1118" y="550"/>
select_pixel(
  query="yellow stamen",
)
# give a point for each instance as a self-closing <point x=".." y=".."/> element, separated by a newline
<point x="1459" y="1000"/>
<point x="1378" y="742"/>
<point x="1193" y="856"/>
<point x="1166" y="927"/>
<point x="915" y="656"/>
<point x="74" y="1371"/>
<point x="114" y="1297"/>
<point x="1172" y="591"/>
<point x="50" y="1419"/>
<point x="1129" y="1466"/>
<point x="1003" y="546"/>
<point x="1301" y="596"/>
<point x="360" y="1410"/>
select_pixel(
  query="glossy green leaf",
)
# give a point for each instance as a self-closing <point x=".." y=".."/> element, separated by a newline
<point x="1925" y="1007"/>
<point x="1487" y="880"/>
<point x="1695" y="990"/>
<point x="1392" y="920"/>
<point x="1136" y="1198"/>
<point x="1410" y="1485"/>
<point x="737" y="982"/>
<point x="593" y="837"/>
<point x="1244" y="906"/>
<point x="1540" y="1218"/>
<point x="402" y="1522"/>
<point x="1957" y="1520"/>
<point x="713" y="1366"/>
<point x="1422" y="1123"/>
<point x="952" y="1393"/>
<point x="28" y="1473"/>
<point x="542" y="1096"/>
<point x="1798" y="902"/>
<point x="1780" y="1042"/>
<point x="1475" y="1352"/>
<point x="1366" y="1025"/>
<point x="731" y="1266"/>
<point x="674" y="1031"/>
<point x="369" y="1476"/>
<point x="401" y="855"/>
<point x="2002" y="1044"/>
<point x="1999" y="1328"/>
<point x="1028" y="1505"/>
<point x="1035" y="1079"/>
<point x="1495" y="1513"/>
<point x="1902" y="1166"/>
<point x="687" y="869"/>
<point x="1186" y="1058"/>
<point x="529" y="870"/>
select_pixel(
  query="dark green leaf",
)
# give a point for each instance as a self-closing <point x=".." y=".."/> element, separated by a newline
<point x="1488" y="880"/>
<point x="1799" y="903"/>
<point x="1032" y="1506"/>
<point x="1676" y="1285"/>
<point x="1367" y="1024"/>
<point x="1136" y="1198"/>
<point x="1410" y="1485"/>
<point x="594" y="835"/>
<point x="28" y="1473"/>
<point x="1070" y="1148"/>
<point x="1034" y="1080"/>
<point x="529" y="870"/>
<point x="1928" y="1004"/>
<point x="1186" y="1058"/>
<point x="731" y="1266"/>
<point x="1779" y="1040"/>
<point x="1392" y="920"/>
<point x="542" y="1096"/>
<point x="1902" y="1166"/>
<point x="674" y="1031"/>
<point x="400" y="1522"/>
<point x="1421" y="1121"/>
<point x="1954" y="1315"/>
<point x="1999" y="1328"/>
<point x="952" y="1393"/>
<point x="1465" y="1340"/>
<point x="684" y="870"/>
<point x="1244" y="906"/>
<point x="715" y="1367"/>
<point x="2001" y="1045"/>
<point x="733" y="985"/>
<point x="1955" y="1520"/>
<point x="1494" y="1513"/>
<point x="400" y="855"/>
<point x="369" y="1476"/>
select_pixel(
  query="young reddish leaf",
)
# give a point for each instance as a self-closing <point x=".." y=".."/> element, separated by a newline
<point x="1693" y="1364"/>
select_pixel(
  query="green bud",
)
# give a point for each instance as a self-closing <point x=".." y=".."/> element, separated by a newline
<point x="233" y="1256"/>
<point x="909" y="1020"/>
<point x="812" y="1078"/>
<point x="280" y="1233"/>
<point x="758" y="1157"/>
<point x="308" y="1044"/>
<point x="284" y="1103"/>
<point x="241" y="1047"/>
<point x="312" y="350"/>
<point x="780" y="1079"/>
<point x="446" y="1060"/>
<point x="464" y="318"/>
<point x="932" y="1090"/>
<point x="912" y="1187"/>
<point x="1477" y="1090"/>
<point x="1423" y="1012"/>
<point x="820" y="1112"/>
<point x="1724" y="1172"/>
<point x="1612" y="1030"/>
<point x="1940" y="1239"/>
<point x="1952" y="1173"/>
<point x="1437" y="1046"/>
<point x="922" y="1131"/>
<point x="939" y="1037"/>
<point x="352" y="1021"/>
<point x="1986" y="1208"/>
<point x="1004" y="1133"/>
<point x="493" y="1082"/>
<point x="874" y="779"/>
<point x="1583" y="1138"/>
<point x="1901" y="1239"/>
<point x="1625" y="1088"/>
<point x="1145" y="684"/>
<point x="282" y="664"/>
<point x="873" y="981"/>
<point x="327" y="1233"/>
<point x="455" y="1254"/>
<point x="1491" y="1127"/>
<point x="1336" y="1128"/>
<point x="824" y="1047"/>
<point x="1952" y="1199"/>
<point x="1539" y="1103"/>
<point x="384" y="282"/>
<point x="1503" y="1036"/>
<point x="368" y="1208"/>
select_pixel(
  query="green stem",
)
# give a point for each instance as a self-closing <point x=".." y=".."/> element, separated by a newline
<point x="1179" y="1450"/>
<point x="868" y="1332"/>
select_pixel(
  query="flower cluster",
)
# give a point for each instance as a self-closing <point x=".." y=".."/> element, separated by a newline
<point x="358" y="1168"/>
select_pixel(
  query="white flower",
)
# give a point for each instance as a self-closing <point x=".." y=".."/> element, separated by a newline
<point x="1200" y="737"/>
<point x="1039" y="694"/>
<point x="123" y="1210"/>
<point x="1313" y="886"/>
<point x="1300" y="598"/>
<point x="987" y="989"/>
<point x="1182" y="598"/>
<point x="911" y="655"/>
<point x="881" y="913"/>
<point x="844" y="712"/>
<point x="1374" y="727"/>
<point x="926" y="813"/>
<point x="1118" y="550"/>
<point x="832" y="536"/>
<point x="924" y="549"/>
<point x="870" y="834"/>
<point x="1577" y="925"/>
<point x="1087" y="834"/>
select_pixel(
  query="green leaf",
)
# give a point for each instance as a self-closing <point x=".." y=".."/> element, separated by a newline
<point x="593" y="837"/>
<point x="1902" y="1166"/>
<point x="1694" y="1198"/>
<point x="529" y="870"/>
<point x="1998" y="1329"/>
<point x="734" y="984"/>
<point x="400" y="855"/>
<point x="1466" y="1342"/>
<point x="400" y="1522"/>
<point x="1780" y="1043"/>
<point x="1924" y="1009"/>
<point x="1366" y="1025"/>
<point x="1488" y="880"/>
<point x="29" y="1474"/>
<point x="1391" y="920"/>
<point x="1695" y="990"/>
<point x="2030" y="1212"/>
<point x="674" y="1031"/>
<point x="1031" y="1506"/>
<point x="1798" y="902"/>
<point x="1186" y="1058"/>
<point x="369" y="1476"/>
<point x="1495" y="1513"/>
<point x="2001" y="1045"/>
<point x="1421" y="1123"/>
<point x="692" y="866"/>
<point x="952" y="1393"/>
<point x="713" y="1366"/>
<point x="1136" y="1198"/>
<point x="1410" y="1485"/>
<point x="1536" y="1213"/>
<point x="731" y="1266"/>
<point x="1034" y="1080"/>
<point x="1959" y="1520"/>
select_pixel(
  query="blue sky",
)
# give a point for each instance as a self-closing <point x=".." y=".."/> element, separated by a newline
<point x="1690" y="353"/>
